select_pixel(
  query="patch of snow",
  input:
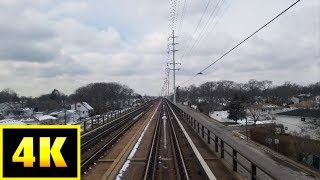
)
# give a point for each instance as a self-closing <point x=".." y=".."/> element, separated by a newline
<point x="11" y="121"/>
<point x="221" y="116"/>
<point x="265" y="122"/>
<point x="28" y="120"/>
<point x="134" y="150"/>
<point x="46" y="117"/>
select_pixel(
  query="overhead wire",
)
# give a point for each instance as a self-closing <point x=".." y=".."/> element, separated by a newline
<point x="241" y="42"/>
<point x="206" y="31"/>
<point x="199" y="22"/>
<point x="182" y="16"/>
<point x="212" y="16"/>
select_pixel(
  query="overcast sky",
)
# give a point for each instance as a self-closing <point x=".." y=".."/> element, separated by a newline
<point x="63" y="45"/>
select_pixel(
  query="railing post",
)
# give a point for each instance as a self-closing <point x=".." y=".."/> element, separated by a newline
<point x="216" y="141"/>
<point x="103" y="119"/>
<point x="98" y="119"/>
<point x="91" y="123"/>
<point x="222" y="148"/>
<point x="253" y="171"/>
<point x="84" y="126"/>
<point x="193" y="123"/>
<point x="202" y="128"/>
<point x="198" y="127"/>
<point x="234" y="160"/>
<point x="208" y="136"/>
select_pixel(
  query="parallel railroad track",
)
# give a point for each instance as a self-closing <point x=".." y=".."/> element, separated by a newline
<point x="168" y="160"/>
<point x="95" y="144"/>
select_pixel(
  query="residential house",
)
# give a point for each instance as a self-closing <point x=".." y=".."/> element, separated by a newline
<point x="305" y="105"/>
<point x="268" y="108"/>
<point x="301" y="97"/>
<point x="83" y="108"/>
<point x="295" y="100"/>
<point x="71" y="115"/>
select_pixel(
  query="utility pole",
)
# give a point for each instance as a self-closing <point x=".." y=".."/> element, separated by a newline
<point x="168" y="80"/>
<point x="174" y="65"/>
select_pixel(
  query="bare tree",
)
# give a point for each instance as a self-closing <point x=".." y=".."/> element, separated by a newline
<point x="100" y="94"/>
<point x="8" y="95"/>
<point x="255" y="110"/>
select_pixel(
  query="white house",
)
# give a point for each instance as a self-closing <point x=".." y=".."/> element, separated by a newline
<point x="83" y="108"/>
<point x="295" y="100"/>
<point x="71" y="115"/>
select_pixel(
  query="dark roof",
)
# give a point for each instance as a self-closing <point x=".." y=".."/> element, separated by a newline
<point x="314" y="113"/>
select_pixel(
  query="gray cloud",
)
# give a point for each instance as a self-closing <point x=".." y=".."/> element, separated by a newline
<point x="72" y="43"/>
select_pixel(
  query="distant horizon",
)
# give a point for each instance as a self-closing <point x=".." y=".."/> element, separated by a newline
<point x="149" y="94"/>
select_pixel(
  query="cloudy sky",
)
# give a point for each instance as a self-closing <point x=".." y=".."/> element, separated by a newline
<point x="67" y="44"/>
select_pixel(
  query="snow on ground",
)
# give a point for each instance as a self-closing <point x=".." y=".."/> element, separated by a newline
<point x="294" y="125"/>
<point x="194" y="106"/>
<point x="11" y="121"/>
<point x="222" y="116"/>
<point x="46" y="117"/>
<point x="133" y="151"/>
<point x="28" y="120"/>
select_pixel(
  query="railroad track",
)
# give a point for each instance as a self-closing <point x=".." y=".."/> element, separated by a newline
<point x="96" y="143"/>
<point x="170" y="156"/>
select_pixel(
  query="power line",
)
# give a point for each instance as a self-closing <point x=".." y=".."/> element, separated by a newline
<point x="182" y="15"/>
<point x="205" y="10"/>
<point x="205" y="30"/>
<point x="198" y="24"/>
<point x="201" y="72"/>
<point x="197" y="40"/>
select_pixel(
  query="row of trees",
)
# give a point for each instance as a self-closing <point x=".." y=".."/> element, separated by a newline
<point x="218" y="93"/>
<point x="101" y="96"/>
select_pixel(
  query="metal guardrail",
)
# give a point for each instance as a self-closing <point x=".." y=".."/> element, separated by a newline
<point x="97" y="121"/>
<point x="219" y="144"/>
<point x="215" y="138"/>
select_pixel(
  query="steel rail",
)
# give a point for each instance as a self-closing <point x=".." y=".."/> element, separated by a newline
<point x="180" y="165"/>
<point x="150" y="172"/>
<point x="86" y="163"/>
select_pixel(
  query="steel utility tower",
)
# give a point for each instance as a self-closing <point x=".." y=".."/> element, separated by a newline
<point x="174" y="65"/>
<point x="168" y="82"/>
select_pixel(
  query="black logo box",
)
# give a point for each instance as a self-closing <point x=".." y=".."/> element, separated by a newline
<point x="11" y="139"/>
